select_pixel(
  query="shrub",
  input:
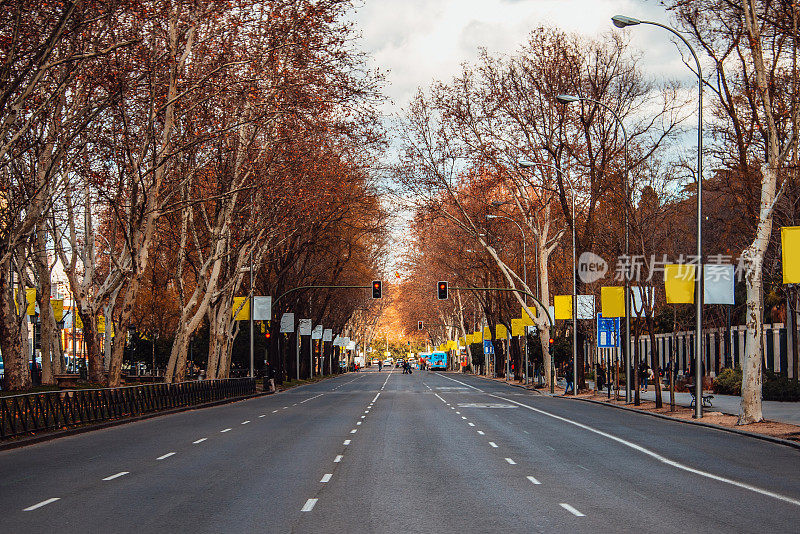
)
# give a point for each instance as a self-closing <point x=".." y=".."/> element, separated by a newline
<point x="728" y="382"/>
<point x="780" y="388"/>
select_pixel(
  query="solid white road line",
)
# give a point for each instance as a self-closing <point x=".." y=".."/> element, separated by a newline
<point x="533" y="480"/>
<point x="43" y="503"/>
<point x="493" y="444"/>
<point x="245" y="422"/>
<point x="326" y="477"/>
<point x="312" y="398"/>
<point x="378" y="395"/>
<point x="309" y="505"/>
<point x="201" y="440"/>
<point x="657" y="456"/>
<point x="460" y="382"/>
<point x="471" y="424"/>
<point x="120" y="474"/>
<point x="571" y="509"/>
<point x="346" y="442"/>
<point x="166" y="456"/>
<point x="481" y="432"/>
<point x="337" y="459"/>
<point x="510" y="461"/>
<point x="226" y="430"/>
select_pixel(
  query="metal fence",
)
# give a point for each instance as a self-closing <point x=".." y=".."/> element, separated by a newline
<point x="34" y="412"/>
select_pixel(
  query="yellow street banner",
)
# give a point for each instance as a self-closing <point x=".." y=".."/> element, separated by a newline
<point x="461" y="341"/>
<point x="30" y="298"/>
<point x="58" y="309"/>
<point x="244" y="313"/>
<point x="501" y="331"/>
<point x="78" y="321"/>
<point x="612" y="301"/>
<point x="517" y="327"/>
<point x="477" y="337"/>
<point x="101" y="324"/>
<point x="487" y="333"/>
<point x="451" y="345"/>
<point x="468" y="339"/>
<point x="527" y="320"/>
<point x="563" y="306"/>
<point x="679" y="283"/>
<point x="790" y="249"/>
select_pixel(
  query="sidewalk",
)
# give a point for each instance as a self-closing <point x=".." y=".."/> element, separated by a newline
<point x="784" y="412"/>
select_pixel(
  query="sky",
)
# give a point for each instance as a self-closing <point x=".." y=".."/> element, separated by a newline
<point x="418" y="41"/>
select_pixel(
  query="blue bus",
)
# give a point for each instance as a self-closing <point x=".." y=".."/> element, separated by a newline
<point x="437" y="360"/>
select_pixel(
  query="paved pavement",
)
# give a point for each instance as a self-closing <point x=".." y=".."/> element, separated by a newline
<point x="785" y="412"/>
<point x="387" y="452"/>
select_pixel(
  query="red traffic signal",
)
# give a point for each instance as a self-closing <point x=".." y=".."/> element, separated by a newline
<point x="267" y="334"/>
<point x="442" y="290"/>
<point x="376" y="289"/>
<point x="419" y="325"/>
<point x="551" y="340"/>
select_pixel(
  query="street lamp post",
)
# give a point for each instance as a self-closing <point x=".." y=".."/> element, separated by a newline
<point x="568" y="99"/>
<point x="524" y="278"/>
<point x="621" y="21"/>
<point x="528" y="164"/>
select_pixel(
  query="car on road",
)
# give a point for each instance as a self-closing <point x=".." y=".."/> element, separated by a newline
<point x="374" y="361"/>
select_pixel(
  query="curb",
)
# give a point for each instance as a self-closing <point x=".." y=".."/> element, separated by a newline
<point x="520" y="386"/>
<point x="32" y="440"/>
<point x="779" y="441"/>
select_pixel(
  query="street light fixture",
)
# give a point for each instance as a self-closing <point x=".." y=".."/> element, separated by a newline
<point x="568" y="99"/>
<point x="525" y="164"/>
<point x="622" y="21"/>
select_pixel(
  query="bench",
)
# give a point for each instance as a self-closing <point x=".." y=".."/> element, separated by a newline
<point x="705" y="399"/>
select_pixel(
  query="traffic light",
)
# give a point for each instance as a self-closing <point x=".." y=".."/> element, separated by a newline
<point x="419" y="325"/>
<point x="442" y="287"/>
<point x="376" y="289"/>
<point x="267" y="335"/>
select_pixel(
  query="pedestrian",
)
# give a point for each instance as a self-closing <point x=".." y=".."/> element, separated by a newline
<point x="650" y="376"/>
<point x="380" y="365"/>
<point x="599" y="376"/>
<point x="568" y="377"/>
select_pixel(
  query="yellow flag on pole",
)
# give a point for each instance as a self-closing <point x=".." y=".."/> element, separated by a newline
<point x="477" y="337"/>
<point x="487" y="333"/>
<point x="790" y="249"/>
<point x="30" y="295"/>
<point x="679" y="283"/>
<point x="244" y="312"/>
<point x="563" y="306"/>
<point x="501" y="331"/>
<point x="527" y="320"/>
<point x="517" y="327"/>
<point x="58" y="309"/>
<point x="612" y="301"/>
<point x="468" y="339"/>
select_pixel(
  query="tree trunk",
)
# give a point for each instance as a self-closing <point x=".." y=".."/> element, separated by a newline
<point x="47" y="330"/>
<point x="17" y="373"/>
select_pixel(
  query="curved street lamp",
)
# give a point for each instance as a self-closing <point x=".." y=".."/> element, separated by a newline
<point x="622" y="21"/>
<point x="568" y="99"/>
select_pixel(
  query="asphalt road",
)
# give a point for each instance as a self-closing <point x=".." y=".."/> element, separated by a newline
<point x="387" y="452"/>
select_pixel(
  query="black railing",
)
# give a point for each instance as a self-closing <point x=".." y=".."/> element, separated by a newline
<point x="55" y="410"/>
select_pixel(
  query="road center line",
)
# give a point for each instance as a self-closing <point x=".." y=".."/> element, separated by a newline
<point x="440" y="398"/>
<point x="201" y="440"/>
<point x="162" y="457"/>
<point x="245" y="422"/>
<point x="571" y="509"/>
<point x="460" y="382"/>
<point x="533" y="480"/>
<point x="120" y="474"/>
<point x="347" y="442"/>
<point x="309" y="505"/>
<point x="493" y="444"/>
<point x="481" y="432"/>
<point x="337" y="459"/>
<point x="471" y="424"/>
<point x="43" y="503"/>
<point x="378" y="395"/>
<point x="657" y="456"/>
<point x="354" y="431"/>
<point x="326" y="477"/>
<point x="262" y="415"/>
<point x="312" y="398"/>
<point x="510" y="461"/>
<point x="226" y="430"/>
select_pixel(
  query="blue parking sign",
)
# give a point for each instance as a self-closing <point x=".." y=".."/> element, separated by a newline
<point x="607" y="332"/>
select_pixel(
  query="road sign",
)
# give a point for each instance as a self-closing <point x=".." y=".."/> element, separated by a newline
<point x="287" y="323"/>
<point x="488" y="347"/>
<point x="327" y="334"/>
<point x="262" y="308"/>
<point x="304" y="327"/>
<point x="607" y="332"/>
<point x="317" y="332"/>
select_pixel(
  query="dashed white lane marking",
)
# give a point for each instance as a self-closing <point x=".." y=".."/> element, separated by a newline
<point x="245" y="422"/>
<point x="274" y="411"/>
<point x="657" y="456"/>
<point x="571" y="509"/>
<point x="295" y="404"/>
<point x="549" y="447"/>
<point x="359" y="422"/>
<point x="452" y="407"/>
<point x="584" y="468"/>
<point x="312" y="398"/>
<point x="471" y="424"/>
<point x="493" y="444"/>
<point x="337" y="459"/>
<point x="346" y="442"/>
<point x="201" y="440"/>
<point x="285" y="407"/>
<point x="458" y="413"/>
<point x="462" y="417"/>
<point x="366" y="411"/>
<point x="481" y="432"/>
<point x="363" y="416"/>
<point x="526" y="431"/>
<point x="510" y="461"/>
<point x="378" y="395"/>
<point x="262" y="415"/>
<point x="164" y="456"/>
<point x="326" y="477"/>
<point x="226" y="430"/>
<point x="354" y="431"/>
<point x="120" y="474"/>
<point x="440" y="398"/>
<point x="40" y="504"/>
<point x="309" y="505"/>
<point x="533" y="480"/>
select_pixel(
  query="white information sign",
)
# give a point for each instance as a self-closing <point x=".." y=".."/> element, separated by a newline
<point x="718" y="281"/>
<point x="585" y="307"/>
<point x="317" y="332"/>
<point x="287" y="323"/>
<point x="327" y="334"/>
<point x="262" y="308"/>
<point x="351" y="345"/>
<point x="304" y="327"/>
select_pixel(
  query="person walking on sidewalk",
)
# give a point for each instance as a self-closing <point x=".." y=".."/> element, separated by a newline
<point x="570" y="385"/>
